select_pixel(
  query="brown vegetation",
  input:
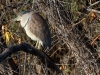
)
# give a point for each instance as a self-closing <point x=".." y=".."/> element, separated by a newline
<point x="74" y="26"/>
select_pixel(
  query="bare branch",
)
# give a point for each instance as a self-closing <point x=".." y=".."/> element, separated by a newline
<point x="29" y="49"/>
<point x="96" y="11"/>
<point x="89" y="8"/>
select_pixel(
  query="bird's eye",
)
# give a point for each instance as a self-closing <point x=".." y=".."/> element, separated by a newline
<point x="21" y="15"/>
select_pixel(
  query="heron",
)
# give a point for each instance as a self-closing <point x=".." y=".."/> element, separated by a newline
<point x="35" y="27"/>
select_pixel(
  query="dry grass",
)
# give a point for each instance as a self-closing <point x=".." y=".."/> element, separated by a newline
<point x="75" y="47"/>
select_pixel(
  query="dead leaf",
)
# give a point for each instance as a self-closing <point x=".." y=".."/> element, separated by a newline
<point x="92" y="16"/>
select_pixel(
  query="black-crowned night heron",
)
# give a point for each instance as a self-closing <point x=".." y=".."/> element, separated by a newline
<point x="36" y="28"/>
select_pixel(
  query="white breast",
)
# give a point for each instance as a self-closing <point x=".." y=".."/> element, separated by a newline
<point x="31" y="35"/>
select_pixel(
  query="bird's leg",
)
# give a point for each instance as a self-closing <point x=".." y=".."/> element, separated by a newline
<point x="38" y="46"/>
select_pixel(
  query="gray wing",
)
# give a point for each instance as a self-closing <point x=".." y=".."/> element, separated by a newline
<point x="40" y="29"/>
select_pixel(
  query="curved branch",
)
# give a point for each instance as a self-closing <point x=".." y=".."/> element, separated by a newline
<point x="29" y="49"/>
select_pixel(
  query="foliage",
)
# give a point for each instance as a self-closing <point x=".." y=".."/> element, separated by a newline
<point x="75" y="35"/>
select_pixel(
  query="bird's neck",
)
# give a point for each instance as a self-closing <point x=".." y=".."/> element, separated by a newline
<point x="25" y="20"/>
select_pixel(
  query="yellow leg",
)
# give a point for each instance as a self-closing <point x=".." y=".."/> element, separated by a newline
<point x="38" y="46"/>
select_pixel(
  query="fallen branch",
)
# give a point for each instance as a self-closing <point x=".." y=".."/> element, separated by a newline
<point x="29" y="49"/>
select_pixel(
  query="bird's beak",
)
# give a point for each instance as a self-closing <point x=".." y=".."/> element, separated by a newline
<point x="15" y="19"/>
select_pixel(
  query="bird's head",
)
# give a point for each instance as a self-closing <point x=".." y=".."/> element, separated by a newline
<point x="20" y="15"/>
